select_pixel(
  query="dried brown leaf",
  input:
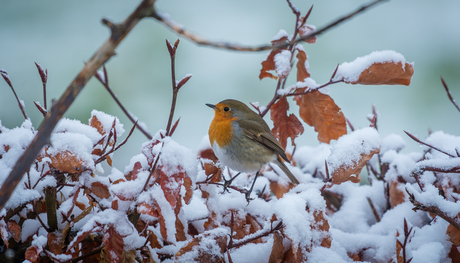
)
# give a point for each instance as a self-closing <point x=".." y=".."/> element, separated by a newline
<point x="302" y="70"/>
<point x="208" y="153"/>
<point x="32" y="253"/>
<point x="210" y="169"/>
<point x="15" y="230"/>
<point x="94" y="122"/>
<point x="201" y="251"/>
<point x="109" y="160"/>
<point x="113" y="242"/>
<point x="277" y="254"/>
<point x="188" y="184"/>
<point x="386" y="73"/>
<point x="80" y="205"/>
<point x="397" y="196"/>
<point x="269" y="64"/>
<point x="454" y="254"/>
<point x="67" y="162"/>
<point x="55" y="243"/>
<point x="284" y="126"/>
<point x="454" y="234"/>
<point x="147" y="209"/>
<point x="280" y="189"/>
<point x="399" y="249"/>
<point x="100" y="190"/>
<point x="345" y="173"/>
<point x="320" y="111"/>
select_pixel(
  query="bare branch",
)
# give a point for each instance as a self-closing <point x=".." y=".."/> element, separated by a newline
<point x="105" y="82"/>
<point x="236" y="47"/>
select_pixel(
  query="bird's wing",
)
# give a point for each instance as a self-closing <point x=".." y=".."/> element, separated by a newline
<point x="261" y="134"/>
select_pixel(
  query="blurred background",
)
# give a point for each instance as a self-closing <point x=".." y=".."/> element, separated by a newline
<point x="61" y="35"/>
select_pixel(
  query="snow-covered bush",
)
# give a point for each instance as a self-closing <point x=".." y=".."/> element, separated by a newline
<point x="171" y="204"/>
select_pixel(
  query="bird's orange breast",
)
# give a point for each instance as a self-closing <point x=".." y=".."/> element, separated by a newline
<point x="221" y="130"/>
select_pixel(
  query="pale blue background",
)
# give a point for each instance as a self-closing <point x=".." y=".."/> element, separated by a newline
<point x="61" y="35"/>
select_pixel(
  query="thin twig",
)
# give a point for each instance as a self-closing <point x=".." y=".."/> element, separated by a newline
<point x="44" y="77"/>
<point x="101" y="56"/>
<point x="154" y="167"/>
<point x="176" y="85"/>
<point x="172" y="54"/>
<point x="262" y="234"/>
<point x="8" y="81"/>
<point x="449" y="94"/>
<point x="236" y="47"/>
<point x="426" y="144"/>
<point x="374" y="211"/>
<point x="105" y="82"/>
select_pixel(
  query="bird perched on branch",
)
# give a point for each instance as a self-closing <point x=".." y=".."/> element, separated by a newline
<point x="242" y="140"/>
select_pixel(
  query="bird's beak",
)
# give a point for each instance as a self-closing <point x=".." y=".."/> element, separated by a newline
<point x="211" y="106"/>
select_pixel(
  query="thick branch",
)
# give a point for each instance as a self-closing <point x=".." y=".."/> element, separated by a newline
<point x="102" y="55"/>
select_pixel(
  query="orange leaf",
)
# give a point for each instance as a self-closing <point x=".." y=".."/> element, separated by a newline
<point x="113" y="244"/>
<point x="94" y="122"/>
<point x="153" y="239"/>
<point x="277" y="254"/>
<point x="67" y="162"/>
<point x="55" y="243"/>
<point x="210" y="169"/>
<point x="387" y="73"/>
<point x="100" y="190"/>
<point x="162" y="221"/>
<point x="115" y="204"/>
<point x="396" y="195"/>
<point x="399" y="248"/>
<point x="188" y="184"/>
<point x="280" y="189"/>
<point x="302" y="66"/>
<point x="109" y="160"/>
<point x="454" y="234"/>
<point x="171" y="184"/>
<point x="284" y="126"/>
<point x="345" y="173"/>
<point x="32" y="253"/>
<point x="15" y="230"/>
<point x="80" y="205"/>
<point x="269" y="64"/>
<point x="378" y="68"/>
<point x="208" y="153"/>
<point x="320" y="111"/>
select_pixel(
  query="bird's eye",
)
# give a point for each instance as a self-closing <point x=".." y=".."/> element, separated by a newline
<point x="226" y="109"/>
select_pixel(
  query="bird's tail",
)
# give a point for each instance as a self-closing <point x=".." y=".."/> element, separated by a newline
<point x="284" y="168"/>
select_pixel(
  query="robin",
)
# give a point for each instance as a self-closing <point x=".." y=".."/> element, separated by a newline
<point x="242" y="140"/>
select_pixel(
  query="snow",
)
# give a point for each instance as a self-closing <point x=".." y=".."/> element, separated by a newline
<point x="352" y="228"/>
<point x="349" y="148"/>
<point x="283" y="63"/>
<point x="282" y="33"/>
<point x="350" y="71"/>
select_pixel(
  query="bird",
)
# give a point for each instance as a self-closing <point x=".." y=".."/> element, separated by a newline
<point x="242" y="140"/>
